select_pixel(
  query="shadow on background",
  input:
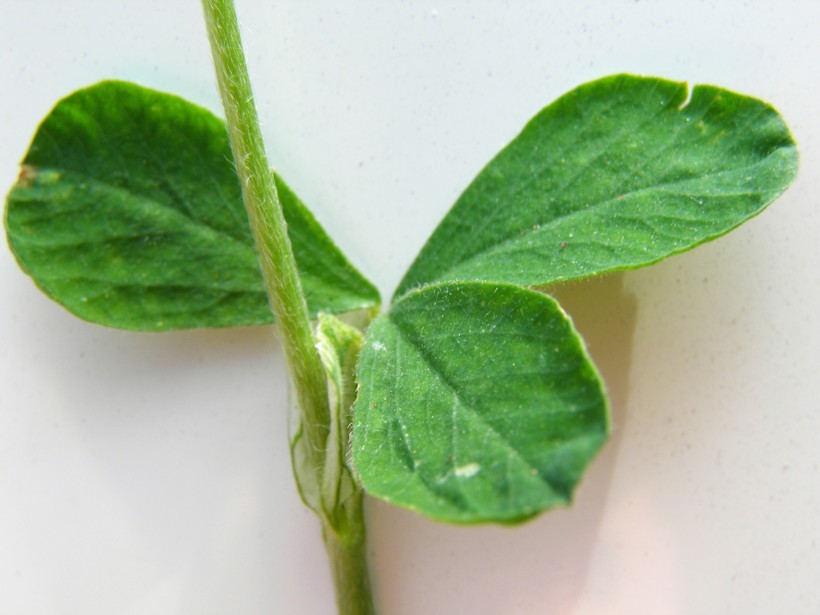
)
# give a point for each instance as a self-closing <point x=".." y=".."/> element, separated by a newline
<point x="543" y="562"/>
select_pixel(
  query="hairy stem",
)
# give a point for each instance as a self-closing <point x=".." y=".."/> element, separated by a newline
<point x="345" y="541"/>
<point x="346" y="549"/>
<point x="267" y="222"/>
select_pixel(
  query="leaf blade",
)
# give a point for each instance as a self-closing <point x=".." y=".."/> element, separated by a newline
<point x="617" y="174"/>
<point x="128" y="212"/>
<point x="477" y="403"/>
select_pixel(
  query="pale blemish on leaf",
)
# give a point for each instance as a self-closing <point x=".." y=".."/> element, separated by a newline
<point x="467" y="471"/>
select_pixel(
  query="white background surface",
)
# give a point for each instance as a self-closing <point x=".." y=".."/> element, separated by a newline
<point x="148" y="474"/>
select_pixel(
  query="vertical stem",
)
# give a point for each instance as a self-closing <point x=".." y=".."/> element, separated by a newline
<point x="345" y="541"/>
<point x="348" y="561"/>
<point x="267" y="222"/>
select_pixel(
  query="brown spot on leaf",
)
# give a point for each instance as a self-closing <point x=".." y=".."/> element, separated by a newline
<point x="27" y="175"/>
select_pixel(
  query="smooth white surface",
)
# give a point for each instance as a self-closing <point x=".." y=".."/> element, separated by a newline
<point x="148" y="474"/>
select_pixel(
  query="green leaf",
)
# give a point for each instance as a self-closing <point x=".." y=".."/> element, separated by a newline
<point x="616" y="174"/>
<point x="477" y="402"/>
<point x="129" y="213"/>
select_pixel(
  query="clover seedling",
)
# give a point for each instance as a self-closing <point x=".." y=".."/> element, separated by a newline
<point x="472" y="398"/>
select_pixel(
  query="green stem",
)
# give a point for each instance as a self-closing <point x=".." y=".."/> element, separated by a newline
<point x="267" y="222"/>
<point x="348" y="561"/>
<point x="344" y="540"/>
